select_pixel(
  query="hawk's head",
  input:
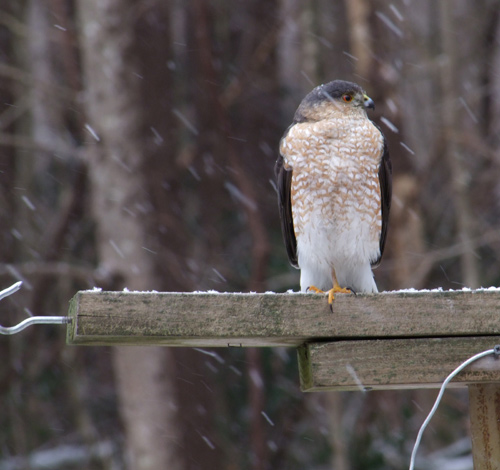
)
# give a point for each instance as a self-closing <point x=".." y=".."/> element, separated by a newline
<point x="333" y="98"/>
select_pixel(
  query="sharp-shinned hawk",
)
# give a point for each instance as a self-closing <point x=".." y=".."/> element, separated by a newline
<point x="334" y="182"/>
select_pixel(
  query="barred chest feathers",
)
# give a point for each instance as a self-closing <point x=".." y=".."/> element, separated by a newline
<point x="335" y="193"/>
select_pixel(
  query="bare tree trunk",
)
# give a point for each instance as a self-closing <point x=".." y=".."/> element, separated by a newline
<point x="453" y="153"/>
<point x="8" y="115"/>
<point x="148" y="406"/>
<point x="260" y="243"/>
<point x="407" y="234"/>
<point x="358" y="12"/>
<point x="335" y="404"/>
<point x="289" y="53"/>
<point x="120" y="205"/>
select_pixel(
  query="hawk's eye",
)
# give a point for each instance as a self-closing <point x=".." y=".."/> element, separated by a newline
<point x="347" y="98"/>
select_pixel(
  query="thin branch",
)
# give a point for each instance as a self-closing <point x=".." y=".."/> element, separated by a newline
<point x="35" y="269"/>
<point x="265" y="48"/>
<point x="13" y="24"/>
<point x="25" y="142"/>
<point x="14" y="111"/>
<point x="453" y="154"/>
<point x="429" y="260"/>
<point x="18" y="75"/>
<point x="60" y="457"/>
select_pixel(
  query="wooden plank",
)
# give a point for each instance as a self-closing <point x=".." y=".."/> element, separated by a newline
<point x="395" y="363"/>
<point x="484" y="402"/>
<point x="211" y="319"/>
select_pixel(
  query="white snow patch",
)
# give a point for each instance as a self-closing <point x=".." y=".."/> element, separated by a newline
<point x="412" y="290"/>
<point x="94" y="289"/>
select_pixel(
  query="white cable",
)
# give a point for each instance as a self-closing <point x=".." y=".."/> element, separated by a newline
<point x="496" y="350"/>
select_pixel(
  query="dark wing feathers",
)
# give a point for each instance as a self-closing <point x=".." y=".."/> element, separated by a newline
<point x="385" y="178"/>
<point x="284" y="178"/>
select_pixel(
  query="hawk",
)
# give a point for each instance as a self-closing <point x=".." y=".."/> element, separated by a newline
<point x="334" y="183"/>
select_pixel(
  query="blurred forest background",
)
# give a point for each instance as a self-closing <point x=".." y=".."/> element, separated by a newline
<point x="137" y="144"/>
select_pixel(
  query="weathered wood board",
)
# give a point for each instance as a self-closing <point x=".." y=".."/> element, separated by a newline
<point x="206" y="319"/>
<point x="408" y="363"/>
<point x="394" y="340"/>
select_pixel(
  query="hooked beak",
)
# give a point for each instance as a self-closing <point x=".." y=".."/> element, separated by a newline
<point x="368" y="103"/>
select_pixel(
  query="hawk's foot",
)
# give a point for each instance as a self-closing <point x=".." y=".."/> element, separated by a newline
<point x="336" y="289"/>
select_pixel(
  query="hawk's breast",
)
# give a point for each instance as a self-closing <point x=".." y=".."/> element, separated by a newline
<point x="335" y="189"/>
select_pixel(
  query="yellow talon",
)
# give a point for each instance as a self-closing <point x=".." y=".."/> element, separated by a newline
<point x="315" y="290"/>
<point x="336" y="289"/>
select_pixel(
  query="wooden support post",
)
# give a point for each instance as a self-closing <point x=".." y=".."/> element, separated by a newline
<point x="484" y="402"/>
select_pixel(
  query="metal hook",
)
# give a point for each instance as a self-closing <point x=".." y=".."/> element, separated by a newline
<point x="12" y="330"/>
<point x="10" y="290"/>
